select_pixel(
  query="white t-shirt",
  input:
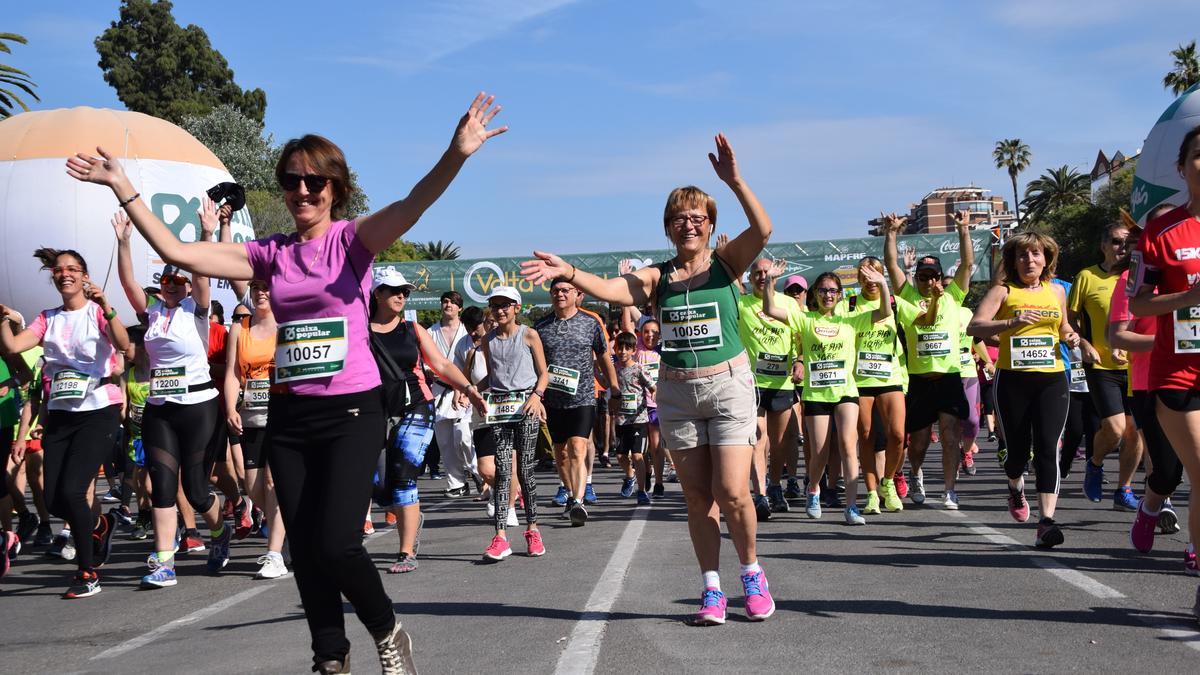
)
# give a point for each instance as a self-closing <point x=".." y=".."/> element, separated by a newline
<point x="478" y="374"/>
<point x="452" y="351"/>
<point x="79" y="358"/>
<point x="177" y="344"/>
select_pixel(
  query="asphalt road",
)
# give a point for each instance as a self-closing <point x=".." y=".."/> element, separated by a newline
<point x="923" y="590"/>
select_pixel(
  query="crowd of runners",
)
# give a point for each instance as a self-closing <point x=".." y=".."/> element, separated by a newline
<point x="757" y="397"/>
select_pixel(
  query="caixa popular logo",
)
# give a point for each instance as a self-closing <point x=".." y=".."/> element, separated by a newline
<point x="289" y="334"/>
<point x="1193" y="313"/>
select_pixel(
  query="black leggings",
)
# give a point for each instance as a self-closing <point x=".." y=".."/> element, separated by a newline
<point x="74" y="446"/>
<point x="1081" y="426"/>
<point x="1167" y="473"/>
<point x="523" y="437"/>
<point x="322" y="451"/>
<point x="177" y="440"/>
<point x="1032" y="410"/>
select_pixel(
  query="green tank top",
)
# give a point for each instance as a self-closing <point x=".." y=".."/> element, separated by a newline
<point x="700" y="325"/>
<point x="136" y="404"/>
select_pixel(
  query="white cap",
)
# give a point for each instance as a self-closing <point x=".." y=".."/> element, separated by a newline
<point x="506" y="292"/>
<point x="392" y="278"/>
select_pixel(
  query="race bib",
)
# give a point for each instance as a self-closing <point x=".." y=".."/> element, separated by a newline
<point x="563" y="379"/>
<point x="135" y="414"/>
<point x="691" y="328"/>
<point x="933" y="344"/>
<point x="168" y="381"/>
<point x="629" y="404"/>
<point x="257" y="394"/>
<point x="652" y="371"/>
<point x="310" y="348"/>
<point x="874" y="364"/>
<point x="1027" y="352"/>
<point x="1187" y="330"/>
<point x="1078" y="374"/>
<point x="823" y="374"/>
<point x="965" y="360"/>
<point x="505" y="407"/>
<point x="68" y="385"/>
<point x="772" y="365"/>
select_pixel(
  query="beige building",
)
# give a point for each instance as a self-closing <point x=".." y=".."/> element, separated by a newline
<point x="935" y="212"/>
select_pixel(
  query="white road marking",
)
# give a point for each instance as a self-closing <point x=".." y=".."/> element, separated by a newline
<point x="583" y="647"/>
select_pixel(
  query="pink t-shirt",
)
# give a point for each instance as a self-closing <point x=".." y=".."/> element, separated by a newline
<point x="80" y="359"/>
<point x="326" y="277"/>
<point x="1139" y="362"/>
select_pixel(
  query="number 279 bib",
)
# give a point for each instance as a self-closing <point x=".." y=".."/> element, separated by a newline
<point x="310" y="348"/>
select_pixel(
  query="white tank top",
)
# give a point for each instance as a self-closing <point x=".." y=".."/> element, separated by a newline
<point x="80" y="359"/>
<point x="177" y="344"/>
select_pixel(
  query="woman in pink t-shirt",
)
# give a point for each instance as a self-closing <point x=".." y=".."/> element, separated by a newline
<point x="325" y="433"/>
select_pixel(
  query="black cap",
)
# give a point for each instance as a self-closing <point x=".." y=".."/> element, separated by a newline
<point x="929" y="263"/>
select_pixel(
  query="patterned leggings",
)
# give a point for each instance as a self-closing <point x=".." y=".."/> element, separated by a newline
<point x="523" y="437"/>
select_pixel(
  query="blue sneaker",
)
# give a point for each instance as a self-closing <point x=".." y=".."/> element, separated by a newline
<point x="161" y="574"/>
<point x="853" y="516"/>
<point x="626" y="487"/>
<point x="1093" y="482"/>
<point x="218" y="552"/>
<point x="589" y="495"/>
<point x="643" y="498"/>
<point x="560" y="497"/>
<point x="1124" y="499"/>
<point x="812" y="505"/>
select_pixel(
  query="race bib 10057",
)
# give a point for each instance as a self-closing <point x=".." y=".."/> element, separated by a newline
<point x="310" y="348"/>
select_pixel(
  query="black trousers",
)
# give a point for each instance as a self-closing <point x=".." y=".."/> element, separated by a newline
<point x="1032" y="409"/>
<point x="74" y="446"/>
<point x="177" y="440"/>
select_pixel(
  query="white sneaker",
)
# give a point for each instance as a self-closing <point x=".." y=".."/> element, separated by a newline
<point x="512" y="518"/>
<point x="272" y="566"/>
<point x="951" y="500"/>
<point x="491" y="509"/>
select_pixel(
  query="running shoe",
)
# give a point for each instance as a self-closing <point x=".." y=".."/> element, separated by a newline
<point x="872" y="506"/>
<point x="389" y="519"/>
<point x="272" y="566"/>
<point x="891" y="500"/>
<point x="672" y="477"/>
<point x="437" y="474"/>
<point x="404" y="563"/>
<point x="123" y="515"/>
<point x="13" y="551"/>
<point x="243" y="521"/>
<point x="627" y="486"/>
<point x="901" y="485"/>
<point x="643" y="498"/>
<point x="178" y="537"/>
<point x="1168" y="520"/>
<point x="227" y="510"/>
<point x="8" y="541"/>
<point x="44" y="536"/>
<point x="368" y="527"/>
<point x="491" y="509"/>
<point x="560" y="497"/>
<point x="712" y="609"/>
<point x="27" y="524"/>
<point x="113" y="496"/>
<point x="832" y="500"/>
<point x="991" y="437"/>
<point x="1141" y="532"/>
<point x="162" y="574"/>
<point x="776" y="500"/>
<point x="658" y="490"/>
<point x="102" y="539"/>
<point x="68" y="551"/>
<point x="85" y="583"/>
<point x="257" y="515"/>
<point x="793" y="489"/>
<point x="1190" y="566"/>
<point x="950" y="500"/>
<point x="762" y="508"/>
<point x="968" y="463"/>
<point x="59" y="544"/>
<point x="853" y="516"/>
<point x="917" y="491"/>
<point x="460" y="491"/>
<point x="812" y="505"/>
<point x="1124" y="499"/>
<point x="533" y="540"/>
<point x="192" y="542"/>
<point x="512" y="521"/>
<point x="759" y="604"/>
<point x="498" y="550"/>
<point x="589" y="495"/>
<point x="605" y="462"/>
<point x="1018" y="507"/>
<point x="218" y="555"/>
<point x="395" y="652"/>
<point x="577" y="514"/>
<point x="1048" y="534"/>
<point x="1093" y="482"/>
<point x="1002" y="455"/>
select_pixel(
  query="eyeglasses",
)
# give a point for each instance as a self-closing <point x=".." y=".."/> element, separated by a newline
<point x="173" y="279"/>
<point x="927" y="278"/>
<point x="73" y="269"/>
<point x="829" y="291"/>
<point x="501" y="307"/>
<point x="680" y="221"/>
<point x="561" y="290"/>
<point x="399" y="291"/>
<point x="239" y="317"/>
<point x="1118" y="242"/>
<point x="314" y="183"/>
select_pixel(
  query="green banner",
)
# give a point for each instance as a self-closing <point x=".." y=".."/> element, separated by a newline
<point x="474" y="279"/>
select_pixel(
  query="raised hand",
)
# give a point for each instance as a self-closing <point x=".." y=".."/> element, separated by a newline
<point x="225" y="215"/>
<point x="624" y="267"/>
<point x="724" y="162"/>
<point x="472" y="131"/>
<point x="122" y="226"/>
<point x="871" y="275"/>
<point x="722" y="240"/>
<point x="777" y="269"/>
<point x="545" y="266"/>
<point x="102" y="170"/>
<point x="209" y="221"/>
<point x="96" y="294"/>
<point x="910" y="258"/>
<point x="892" y="222"/>
<point x="960" y="220"/>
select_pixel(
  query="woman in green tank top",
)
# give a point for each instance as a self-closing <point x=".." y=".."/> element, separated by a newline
<point x="705" y="395"/>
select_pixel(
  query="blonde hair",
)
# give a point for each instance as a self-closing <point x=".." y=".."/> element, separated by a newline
<point x="1023" y="242"/>
<point x="689" y="197"/>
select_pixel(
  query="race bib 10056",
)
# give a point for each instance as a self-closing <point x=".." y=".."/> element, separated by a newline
<point x="691" y="328"/>
<point x="310" y="348"/>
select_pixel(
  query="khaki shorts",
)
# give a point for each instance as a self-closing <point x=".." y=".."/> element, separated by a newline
<point x="716" y="410"/>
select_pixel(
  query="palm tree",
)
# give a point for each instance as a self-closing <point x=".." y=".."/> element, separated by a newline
<point x="1186" y="72"/>
<point x="12" y="79"/>
<point x="1053" y="190"/>
<point x="1013" y="156"/>
<point x="437" y="250"/>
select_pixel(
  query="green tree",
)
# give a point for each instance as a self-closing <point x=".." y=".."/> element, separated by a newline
<point x="1013" y="156"/>
<point x="399" y="251"/>
<point x="164" y="70"/>
<point x="1053" y="190"/>
<point x="1186" y="70"/>
<point x="1078" y="227"/>
<point x="438" y="250"/>
<point x="13" y="79"/>
<point x="239" y="143"/>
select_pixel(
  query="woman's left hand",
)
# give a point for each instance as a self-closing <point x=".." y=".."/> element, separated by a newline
<point x="723" y="162"/>
<point x="545" y="267"/>
<point x="1071" y="338"/>
<point x="871" y="275"/>
<point x="96" y="295"/>
<point x="477" y="401"/>
<point x="209" y="220"/>
<point x="472" y="129"/>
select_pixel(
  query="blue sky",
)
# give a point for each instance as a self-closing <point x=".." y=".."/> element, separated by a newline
<point x="837" y="110"/>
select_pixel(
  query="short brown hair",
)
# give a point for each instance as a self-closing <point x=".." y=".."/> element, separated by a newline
<point x="689" y="197"/>
<point x="327" y="159"/>
<point x="1025" y="241"/>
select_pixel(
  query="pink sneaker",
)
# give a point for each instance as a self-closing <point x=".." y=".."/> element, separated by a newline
<point x="759" y="604"/>
<point x="901" y="485"/>
<point x="1189" y="562"/>
<point x="1141" y="532"/>
<point x="1018" y="508"/>
<point x="498" y="550"/>
<point x="534" y="539"/>
<point x="712" y="609"/>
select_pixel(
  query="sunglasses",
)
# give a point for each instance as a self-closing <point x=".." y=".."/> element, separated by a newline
<point x="173" y="279"/>
<point x="314" y="183"/>
<point x="399" y="291"/>
<point x="239" y="317"/>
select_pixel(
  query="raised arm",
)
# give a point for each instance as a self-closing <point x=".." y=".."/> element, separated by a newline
<point x="884" y="310"/>
<point x="744" y="248"/>
<point x="123" y="229"/>
<point x="380" y="229"/>
<point x="446" y="370"/>
<point x="231" y="386"/>
<point x="225" y="235"/>
<point x="201" y="288"/>
<point x="769" y="308"/>
<point x="892" y="224"/>
<point x="629" y="319"/>
<point x="966" y="251"/>
<point x="628" y="289"/>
